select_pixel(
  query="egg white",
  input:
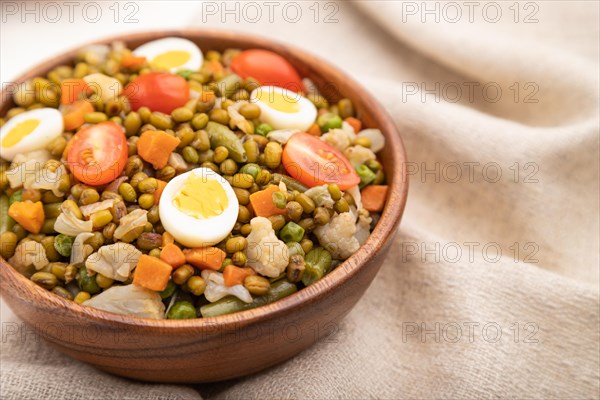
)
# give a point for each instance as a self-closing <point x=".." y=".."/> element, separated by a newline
<point x="50" y="127"/>
<point x="156" y="47"/>
<point x="300" y="120"/>
<point x="194" y="232"/>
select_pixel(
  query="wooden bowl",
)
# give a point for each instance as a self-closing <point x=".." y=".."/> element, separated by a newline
<point x="229" y="346"/>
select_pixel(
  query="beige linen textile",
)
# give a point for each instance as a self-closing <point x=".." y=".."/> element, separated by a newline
<point x="428" y="326"/>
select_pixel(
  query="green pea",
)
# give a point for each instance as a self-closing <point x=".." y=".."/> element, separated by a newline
<point x="219" y="115"/>
<point x="132" y="123"/>
<point x="250" y="111"/>
<point x="220" y="154"/>
<point x="148" y="185"/>
<point x="169" y="290"/>
<point x="291" y="232"/>
<point x="190" y="155"/>
<point x="252" y="150"/>
<point x="243" y="181"/>
<point x="263" y="129"/>
<point x="251" y="169"/>
<point x="346" y="108"/>
<point x="341" y="206"/>
<point x="63" y="244"/>
<point x="279" y="199"/>
<point x="228" y="167"/>
<point x="161" y="121"/>
<point x="182" y="114"/>
<point x="182" y="310"/>
<point x="87" y="283"/>
<point x="329" y="121"/>
<point x="334" y="191"/>
<point x="95" y="117"/>
<point x="243" y="195"/>
<point x="199" y="121"/>
<point x="8" y="244"/>
<point x="273" y="152"/>
<point x="146" y="201"/>
<point x="127" y="192"/>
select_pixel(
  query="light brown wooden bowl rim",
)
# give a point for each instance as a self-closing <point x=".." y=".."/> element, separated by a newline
<point x="381" y="235"/>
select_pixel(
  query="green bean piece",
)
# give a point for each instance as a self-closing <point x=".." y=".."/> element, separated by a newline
<point x="169" y="290"/>
<point x="290" y="183"/>
<point x="16" y="196"/>
<point x="291" y="232"/>
<point x="229" y="85"/>
<point x="379" y="178"/>
<point x="316" y="264"/>
<point x="87" y="283"/>
<point x="220" y="135"/>
<point x="279" y="199"/>
<point x="366" y="175"/>
<point x="63" y="244"/>
<point x="263" y="129"/>
<point x="182" y="310"/>
<point x="6" y="222"/>
<point x="230" y="304"/>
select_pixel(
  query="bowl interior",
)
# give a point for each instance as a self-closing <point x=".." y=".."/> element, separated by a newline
<point x="334" y="85"/>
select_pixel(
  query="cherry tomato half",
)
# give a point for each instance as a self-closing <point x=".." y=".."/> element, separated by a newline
<point x="313" y="162"/>
<point x="159" y="91"/>
<point x="97" y="154"/>
<point x="268" y="68"/>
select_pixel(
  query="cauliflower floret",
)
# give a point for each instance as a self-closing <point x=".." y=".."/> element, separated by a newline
<point x="216" y="288"/>
<point x="337" y="138"/>
<point x="338" y="236"/>
<point x="363" y="226"/>
<point x="320" y="195"/>
<point x="267" y="254"/>
<point x="358" y="155"/>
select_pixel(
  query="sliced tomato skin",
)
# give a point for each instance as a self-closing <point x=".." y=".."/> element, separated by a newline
<point x="268" y="68"/>
<point x="97" y="154"/>
<point x="159" y="91"/>
<point x="313" y="162"/>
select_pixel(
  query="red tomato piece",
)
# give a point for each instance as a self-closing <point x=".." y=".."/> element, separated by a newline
<point x="313" y="162"/>
<point x="159" y="91"/>
<point x="269" y="68"/>
<point x="97" y="154"/>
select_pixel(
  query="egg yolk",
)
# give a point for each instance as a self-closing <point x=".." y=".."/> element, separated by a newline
<point x="279" y="101"/>
<point x="19" y="131"/>
<point x="201" y="197"/>
<point x="171" y="59"/>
